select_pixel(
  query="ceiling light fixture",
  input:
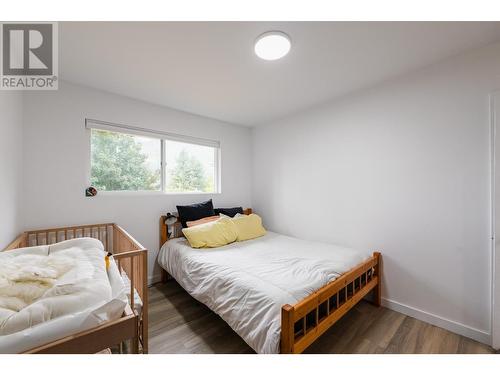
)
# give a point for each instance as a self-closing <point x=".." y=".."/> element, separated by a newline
<point x="272" y="45"/>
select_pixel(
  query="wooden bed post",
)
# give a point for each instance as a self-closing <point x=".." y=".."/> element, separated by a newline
<point x="287" y="329"/>
<point x="163" y="239"/>
<point x="163" y="230"/>
<point x="377" y="291"/>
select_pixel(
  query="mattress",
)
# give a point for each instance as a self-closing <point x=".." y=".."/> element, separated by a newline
<point x="247" y="283"/>
<point x="83" y="297"/>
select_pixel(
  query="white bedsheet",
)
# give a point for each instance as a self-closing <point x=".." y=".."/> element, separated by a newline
<point x="247" y="283"/>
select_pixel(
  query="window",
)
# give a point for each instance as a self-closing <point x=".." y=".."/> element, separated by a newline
<point x="190" y="168"/>
<point x="132" y="159"/>
<point x="124" y="162"/>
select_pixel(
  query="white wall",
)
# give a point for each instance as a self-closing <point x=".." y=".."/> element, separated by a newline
<point x="57" y="162"/>
<point x="402" y="168"/>
<point x="10" y="165"/>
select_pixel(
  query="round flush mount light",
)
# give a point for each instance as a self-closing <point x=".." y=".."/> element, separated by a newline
<point x="272" y="45"/>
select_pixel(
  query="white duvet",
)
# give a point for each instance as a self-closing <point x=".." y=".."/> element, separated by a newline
<point x="48" y="292"/>
<point x="247" y="283"/>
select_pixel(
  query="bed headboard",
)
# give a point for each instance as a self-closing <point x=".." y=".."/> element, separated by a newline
<point x="177" y="228"/>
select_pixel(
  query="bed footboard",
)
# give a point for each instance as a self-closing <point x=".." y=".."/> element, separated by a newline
<point x="304" y="322"/>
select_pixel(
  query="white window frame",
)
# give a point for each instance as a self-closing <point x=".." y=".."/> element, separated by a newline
<point x="163" y="137"/>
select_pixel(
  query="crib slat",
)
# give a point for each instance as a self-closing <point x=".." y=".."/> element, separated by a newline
<point x="132" y="282"/>
<point x="99" y="237"/>
<point x="116" y="241"/>
<point x="108" y="239"/>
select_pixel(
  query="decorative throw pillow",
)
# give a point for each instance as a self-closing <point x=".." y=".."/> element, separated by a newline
<point x="195" y="212"/>
<point x="202" y="221"/>
<point x="212" y="234"/>
<point x="231" y="212"/>
<point x="248" y="227"/>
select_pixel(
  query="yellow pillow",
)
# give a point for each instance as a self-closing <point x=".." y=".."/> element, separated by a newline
<point x="213" y="234"/>
<point x="248" y="227"/>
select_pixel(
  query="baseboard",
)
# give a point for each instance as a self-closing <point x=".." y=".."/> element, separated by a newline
<point x="154" y="279"/>
<point x="450" y="325"/>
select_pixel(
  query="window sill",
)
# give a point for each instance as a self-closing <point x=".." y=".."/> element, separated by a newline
<point x="145" y="192"/>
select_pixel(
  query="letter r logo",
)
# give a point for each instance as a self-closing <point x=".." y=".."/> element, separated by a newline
<point x="27" y="49"/>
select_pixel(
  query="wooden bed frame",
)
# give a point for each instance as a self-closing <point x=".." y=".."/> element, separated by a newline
<point x="132" y="258"/>
<point x="308" y="319"/>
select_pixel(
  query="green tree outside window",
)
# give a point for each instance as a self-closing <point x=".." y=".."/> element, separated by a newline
<point x="119" y="163"/>
<point x="189" y="175"/>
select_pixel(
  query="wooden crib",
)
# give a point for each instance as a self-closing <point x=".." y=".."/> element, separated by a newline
<point x="131" y="258"/>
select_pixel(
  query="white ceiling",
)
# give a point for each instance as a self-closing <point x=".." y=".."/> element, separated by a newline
<point x="209" y="68"/>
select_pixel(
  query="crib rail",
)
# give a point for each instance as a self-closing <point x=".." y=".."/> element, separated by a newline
<point x="20" y="241"/>
<point x="129" y="254"/>
<point x="132" y="258"/>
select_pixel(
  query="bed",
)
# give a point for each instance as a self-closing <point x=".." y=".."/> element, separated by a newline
<point x="276" y="296"/>
<point x="93" y="326"/>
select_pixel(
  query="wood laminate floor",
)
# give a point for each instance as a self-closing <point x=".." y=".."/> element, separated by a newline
<point x="180" y="324"/>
